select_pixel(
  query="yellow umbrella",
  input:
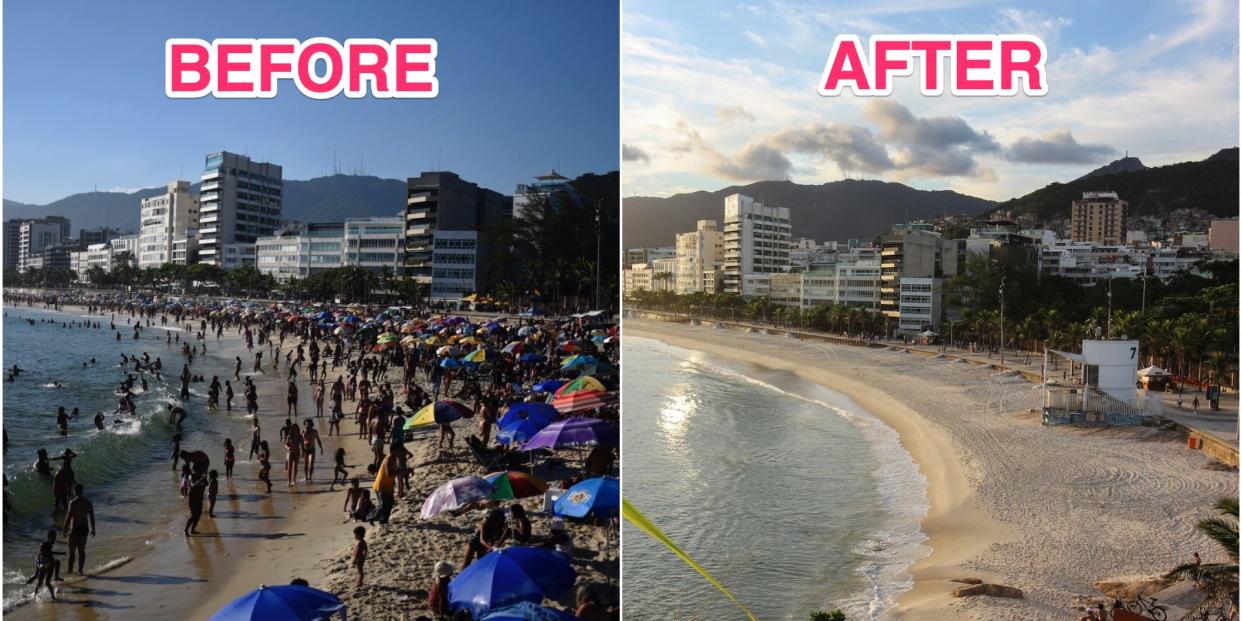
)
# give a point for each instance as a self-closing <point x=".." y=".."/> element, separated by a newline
<point x="470" y="340"/>
<point x="478" y="355"/>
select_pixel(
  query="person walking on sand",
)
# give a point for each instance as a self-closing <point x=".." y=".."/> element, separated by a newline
<point x="319" y="394"/>
<point x="213" y="490"/>
<point x="292" y="399"/>
<point x="265" y="465"/>
<point x="309" y="439"/>
<point x="340" y="472"/>
<point x="230" y="457"/>
<point x="237" y="368"/>
<point x="228" y="396"/>
<point x="293" y="453"/>
<point x="198" y="489"/>
<point x="254" y="437"/>
<point x="79" y="521"/>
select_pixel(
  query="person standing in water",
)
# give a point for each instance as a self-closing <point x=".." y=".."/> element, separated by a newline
<point x="185" y="382"/>
<point x="309" y="439"/>
<point x="79" y="521"/>
<point x="198" y="489"/>
<point x="293" y="399"/>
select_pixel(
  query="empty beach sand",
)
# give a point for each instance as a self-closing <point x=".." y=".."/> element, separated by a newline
<point x="1049" y="511"/>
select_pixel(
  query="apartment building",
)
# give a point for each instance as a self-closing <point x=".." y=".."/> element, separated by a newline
<point x="162" y="219"/>
<point x="240" y="201"/>
<point x="1098" y="217"/>
<point x="757" y="242"/>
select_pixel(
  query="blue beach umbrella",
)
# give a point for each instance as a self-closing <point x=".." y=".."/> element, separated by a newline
<point x="600" y="497"/>
<point x="281" y="603"/>
<point x="451" y="363"/>
<point x="526" y="611"/>
<point x="519" y="430"/>
<point x="510" y="576"/>
<point x="532" y="357"/>
<point x="548" y="385"/>
<point x="543" y="413"/>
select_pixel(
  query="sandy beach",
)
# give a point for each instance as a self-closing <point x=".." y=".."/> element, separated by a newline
<point x="1050" y="511"/>
<point x="302" y="532"/>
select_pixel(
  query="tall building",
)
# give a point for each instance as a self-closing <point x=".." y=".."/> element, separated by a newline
<point x="12" y="242"/>
<point x="757" y="241"/>
<point x="545" y="187"/>
<point x="913" y="261"/>
<point x="98" y="235"/>
<point x="240" y="201"/>
<point x="697" y="254"/>
<point x="447" y="221"/>
<point x="299" y="250"/>
<point x="1222" y="237"/>
<point x="647" y="255"/>
<point x="1098" y="217"/>
<point x="162" y="218"/>
<point x="35" y="235"/>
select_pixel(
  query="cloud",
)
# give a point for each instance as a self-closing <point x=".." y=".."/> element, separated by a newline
<point x="1056" y="147"/>
<point x="734" y="113"/>
<point x="850" y="147"/>
<point x="756" y="39"/>
<point x="897" y="124"/>
<point x="1024" y="21"/>
<point x="630" y="153"/>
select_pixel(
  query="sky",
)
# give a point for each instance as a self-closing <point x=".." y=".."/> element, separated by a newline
<point x="716" y="94"/>
<point x="523" y="88"/>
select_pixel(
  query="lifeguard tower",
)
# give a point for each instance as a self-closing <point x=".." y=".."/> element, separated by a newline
<point x="1095" y="388"/>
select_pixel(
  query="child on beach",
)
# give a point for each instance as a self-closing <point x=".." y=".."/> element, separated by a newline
<point x="213" y="490"/>
<point x="265" y="465"/>
<point x="47" y="567"/>
<point x="230" y="457"/>
<point x="360" y="551"/>
<point x="339" y="473"/>
<point x="185" y="479"/>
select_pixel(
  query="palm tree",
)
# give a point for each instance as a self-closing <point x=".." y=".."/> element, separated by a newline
<point x="1218" y="580"/>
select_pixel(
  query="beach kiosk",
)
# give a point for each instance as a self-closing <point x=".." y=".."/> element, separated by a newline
<point x="1154" y="378"/>
<point x="1099" y="387"/>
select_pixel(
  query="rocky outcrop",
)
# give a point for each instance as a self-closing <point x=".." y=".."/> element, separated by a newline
<point x="990" y="590"/>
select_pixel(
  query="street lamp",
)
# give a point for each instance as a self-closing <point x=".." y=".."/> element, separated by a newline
<point x="1108" y="321"/>
<point x="1002" y="320"/>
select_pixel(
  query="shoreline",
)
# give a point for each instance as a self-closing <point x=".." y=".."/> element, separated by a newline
<point x="953" y="518"/>
<point x="219" y="565"/>
<point x="1006" y="495"/>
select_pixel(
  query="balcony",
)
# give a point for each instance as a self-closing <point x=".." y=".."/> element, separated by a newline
<point x="210" y="185"/>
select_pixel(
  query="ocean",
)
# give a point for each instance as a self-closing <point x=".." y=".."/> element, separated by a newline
<point x="125" y="468"/>
<point x="789" y="493"/>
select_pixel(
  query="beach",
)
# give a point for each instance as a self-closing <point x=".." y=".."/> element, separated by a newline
<point x="1050" y="511"/>
<point x="298" y="531"/>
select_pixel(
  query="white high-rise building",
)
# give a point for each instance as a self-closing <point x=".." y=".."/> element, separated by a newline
<point x="239" y="202"/>
<point x="697" y="254"/>
<point x="300" y="250"/>
<point x="757" y="240"/>
<point x="36" y="235"/>
<point x="162" y="219"/>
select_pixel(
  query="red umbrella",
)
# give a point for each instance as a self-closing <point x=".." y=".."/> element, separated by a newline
<point x="583" y="401"/>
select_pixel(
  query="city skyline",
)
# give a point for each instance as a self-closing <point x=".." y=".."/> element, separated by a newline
<point x="499" y="115"/>
<point x="720" y="96"/>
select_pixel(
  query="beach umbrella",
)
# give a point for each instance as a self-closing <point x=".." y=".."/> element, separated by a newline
<point x="581" y="384"/>
<point x="451" y="363"/>
<point x="510" y="576"/>
<point x="515" y="347"/>
<point x="528" y="410"/>
<point x="569" y="347"/>
<point x="548" y="385"/>
<point x="526" y="611"/>
<point x="476" y="356"/>
<point x="447" y="350"/>
<point x="456" y="494"/>
<point x="387" y="337"/>
<point x="573" y="432"/>
<point x="442" y="411"/>
<point x="582" y="401"/>
<point x="532" y="358"/>
<point x="599" y="498"/>
<point x="281" y="603"/>
<point x="409" y="340"/>
<point x="514" y="484"/>
<point x="579" y="362"/>
<point x="409" y="328"/>
<point x="520" y="431"/>
<point x="525" y="330"/>
<point x="470" y="340"/>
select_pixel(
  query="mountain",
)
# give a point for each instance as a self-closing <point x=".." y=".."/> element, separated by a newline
<point x="1210" y="184"/>
<point x="1125" y="164"/>
<point x="838" y="210"/>
<point x="311" y="200"/>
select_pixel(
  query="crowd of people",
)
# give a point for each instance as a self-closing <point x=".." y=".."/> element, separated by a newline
<point x="384" y="368"/>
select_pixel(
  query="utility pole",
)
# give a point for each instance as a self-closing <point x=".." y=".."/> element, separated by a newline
<point x="1002" y="320"/>
<point x="1143" y="308"/>
<point x="598" y="237"/>
<point x="1108" y="322"/>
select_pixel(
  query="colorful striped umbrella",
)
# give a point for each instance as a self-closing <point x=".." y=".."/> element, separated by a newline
<point x="581" y="384"/>
<point x="515" y="347"/>
<point x="514" y="484"/>
<point x="583" y="401"/>
<point x="442" y="411"/>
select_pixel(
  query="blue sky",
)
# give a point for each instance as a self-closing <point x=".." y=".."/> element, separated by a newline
<point x="523" y="88"/>
<point x="723" y="93"/>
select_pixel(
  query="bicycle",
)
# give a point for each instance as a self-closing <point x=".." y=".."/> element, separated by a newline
<point x="1147" y="607"/>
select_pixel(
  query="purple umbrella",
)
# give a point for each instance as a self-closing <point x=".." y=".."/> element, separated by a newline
<point x="573" y="432"/>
